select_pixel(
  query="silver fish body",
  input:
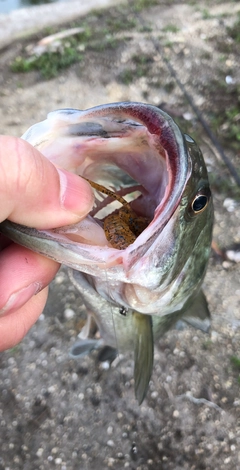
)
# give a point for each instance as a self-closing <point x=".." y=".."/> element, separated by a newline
<point x="137" y="293"/>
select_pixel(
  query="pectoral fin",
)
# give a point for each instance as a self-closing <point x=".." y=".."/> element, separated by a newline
<point x="198" y="314"/>
<point x="83" y="347"/>
<point x="143" y="353"/>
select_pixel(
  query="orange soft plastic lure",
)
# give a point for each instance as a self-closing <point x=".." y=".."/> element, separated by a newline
<point x="122" y="227"/>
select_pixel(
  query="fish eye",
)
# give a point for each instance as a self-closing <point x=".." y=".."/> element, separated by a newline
<point x="200" y="201"/>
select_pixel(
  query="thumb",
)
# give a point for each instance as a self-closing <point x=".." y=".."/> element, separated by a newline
<point x="34" y="192"/>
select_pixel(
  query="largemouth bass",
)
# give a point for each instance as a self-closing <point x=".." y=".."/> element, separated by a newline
<point x="135" y="291"/>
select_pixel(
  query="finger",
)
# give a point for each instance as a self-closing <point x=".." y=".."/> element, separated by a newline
<point x="22" y="275"/>
<point x="15" y="325"/>
<point x="34" y="192"/>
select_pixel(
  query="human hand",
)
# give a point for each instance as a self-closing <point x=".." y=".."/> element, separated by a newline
<point x="35" y="193"/>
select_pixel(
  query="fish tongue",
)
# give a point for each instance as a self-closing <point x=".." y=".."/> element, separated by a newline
<point x="143" y="353"/>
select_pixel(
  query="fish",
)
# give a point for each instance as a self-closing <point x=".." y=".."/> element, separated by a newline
<point x="134" y="155"/>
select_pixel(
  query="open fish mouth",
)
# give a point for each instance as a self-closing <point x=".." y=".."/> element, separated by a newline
<point x="136" y="151"/>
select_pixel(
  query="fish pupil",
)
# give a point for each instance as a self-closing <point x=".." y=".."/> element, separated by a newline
<point x="199" y="203"/>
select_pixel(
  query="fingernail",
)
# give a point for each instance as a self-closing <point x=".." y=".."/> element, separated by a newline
<point x="19" y="298"/>
<point x="76" y="194"/>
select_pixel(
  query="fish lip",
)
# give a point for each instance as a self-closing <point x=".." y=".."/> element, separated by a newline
<point x="164" y="134"/>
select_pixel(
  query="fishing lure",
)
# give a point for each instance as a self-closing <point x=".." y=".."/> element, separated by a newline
<point x="123" y="226"/>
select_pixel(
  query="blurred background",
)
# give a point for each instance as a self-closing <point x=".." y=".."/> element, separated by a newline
<point x="57" y="413"/>
<point x="9" y="5"/>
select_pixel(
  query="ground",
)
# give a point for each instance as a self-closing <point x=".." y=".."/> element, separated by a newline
<point x="58" y="413"/>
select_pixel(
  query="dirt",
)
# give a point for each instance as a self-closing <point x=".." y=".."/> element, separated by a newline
<point x="63" y="414"/>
